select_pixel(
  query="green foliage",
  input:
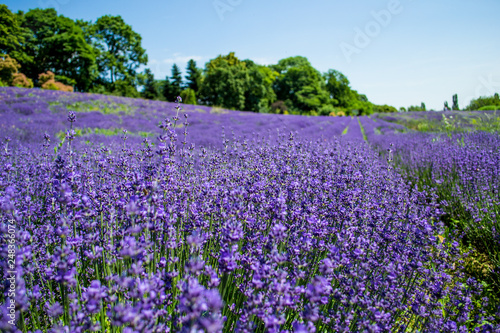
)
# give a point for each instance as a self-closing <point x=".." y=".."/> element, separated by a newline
<point x="8" y="67"/>
<point x="175" y="82"/>
<point x="119" y="54"/>
<point x="100" y="106"/>
<point x="259" y="93"/>
<point x="11" y="33"/>
<point x="489" y="107"/>
<point x="225" y="82"/>
<point x="166" y="90"/>
<point x="455" y="102"/>
<point x="193" y="77"/>
<point x="188" y="96"/>
<point x="338" y="87"/>
<point x="151" y="86"/>
<point x="484" y="101"/>
<point x="384" y="109"/>
<point x="299" y="84"/>
<point x="56" y="43"/>
<point x="327" y="110"/>
<point x="80" y="132"/>
<point x="412" y="108"/>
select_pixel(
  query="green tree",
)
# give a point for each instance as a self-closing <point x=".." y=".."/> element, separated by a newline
<point x="300" y="85"/>
<point x="188" y="96"/>
<point x="416" y="107"/>
<point x="454" y="106"/>
<point x="151" y="87"/>
<point x="225" y="82"/>
<point x="446" y="107"/>
<point x="193" y="76"/>
<point x="166" y="90"/>
<point x="8" y="67"/>
<point x="259" y="93"/>
<point x="119" y="53"/>
<point x="384" y="109"/>
<point x="12" y="34"/>
<point x="176" y="82"/>
<point x="55" y="43"/>
<point x="338" y="88"/>
<point x="483" y="101"/>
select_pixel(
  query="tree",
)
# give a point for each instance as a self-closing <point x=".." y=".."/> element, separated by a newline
<point x="119" y="52"/>
<point x="279" y="107"/>
<point x="193" y="76"/>
<point x="47" y="81"/>
<point x="8" y="67"/>
<point x="446" y="107"/>
<point x="299" y="85"/>
<point x="484" y="102"/>
<point x="9" y="75"/>
<point x="225" y="82"/>
<point x="455" y="103"/>
<point x="20" y="80"/>
<point x="259" y="93"/>
<point x="188" y="96"/>
<point x="337" y="86"/>
<point x="55" y="43"/>
<point x="166" y="90"/>
<point x="151" y="86"/>
<point x="12" y="34"/>
<point x="176" y="81"/>
<point x="416" y="107"/>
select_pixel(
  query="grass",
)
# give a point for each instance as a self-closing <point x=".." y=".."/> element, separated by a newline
<point x="459" y="122"/>
<point x="100" y="106"/>
<point x="80" y="132"/>
<point x="362" y="131"/>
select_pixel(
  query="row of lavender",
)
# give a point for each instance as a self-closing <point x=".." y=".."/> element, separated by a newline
<point x="290" y="234"/>
<point x="27" y="114"/>
<point x="464" y="170"/>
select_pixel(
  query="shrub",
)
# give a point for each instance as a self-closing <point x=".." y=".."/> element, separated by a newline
<point x="47" y="81"/>
<point x="489" y="107"/>
<point x="188" y="96"/>
<point x="279" y="107"/>
<point x="20" y="80"/>
<point x="8" y="67"/>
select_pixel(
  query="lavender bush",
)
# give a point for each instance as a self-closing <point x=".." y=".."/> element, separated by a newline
<point x="300" y="230"/>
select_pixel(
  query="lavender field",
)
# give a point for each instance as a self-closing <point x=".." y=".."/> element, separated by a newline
<point x="131" y="215"/>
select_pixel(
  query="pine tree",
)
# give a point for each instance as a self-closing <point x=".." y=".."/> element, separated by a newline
<point x="455" y="103"/>
<point x="193" y="77"/>
<point x="151" y="90"/>
<point x="167" y="90"/>
<point x="176" y="81"/>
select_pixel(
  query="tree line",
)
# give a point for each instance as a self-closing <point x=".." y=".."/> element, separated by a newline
<point x="43" y="49"/>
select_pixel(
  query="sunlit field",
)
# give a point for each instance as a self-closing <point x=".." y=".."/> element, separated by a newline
<point x="133" y="215"/>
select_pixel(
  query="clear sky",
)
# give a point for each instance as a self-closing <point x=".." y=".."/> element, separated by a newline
<point x="396" y="52"/>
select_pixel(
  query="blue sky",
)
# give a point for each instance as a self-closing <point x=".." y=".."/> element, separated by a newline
<point x="396" y="52"/>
